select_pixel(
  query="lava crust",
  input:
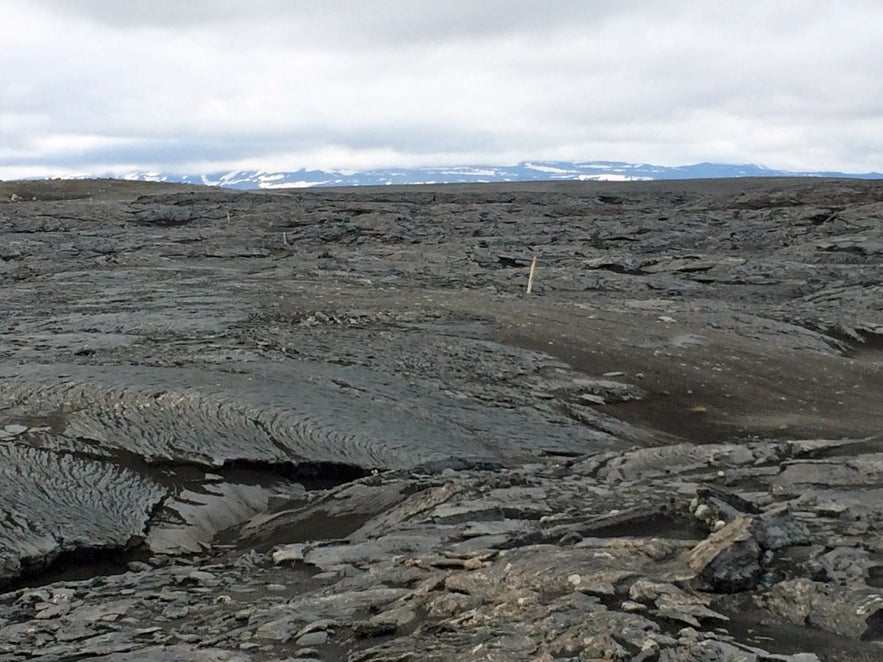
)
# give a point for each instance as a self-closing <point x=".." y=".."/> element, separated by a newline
<point x="332" y="424"/>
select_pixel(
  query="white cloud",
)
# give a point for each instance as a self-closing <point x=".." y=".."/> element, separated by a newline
<point x="94" y="86"/>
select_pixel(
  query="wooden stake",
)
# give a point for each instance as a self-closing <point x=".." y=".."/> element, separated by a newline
<point x="228" y="217"/>
<point x="533" y="270"/>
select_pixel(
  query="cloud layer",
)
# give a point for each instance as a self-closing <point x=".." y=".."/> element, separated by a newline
<point x="94" y="87"/>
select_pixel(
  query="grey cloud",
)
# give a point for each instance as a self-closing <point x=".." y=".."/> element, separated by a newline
<point x="162" y="13"/>
<point x="489" y="15"/>
<point x="232" y="147"/>
<point x="163" y="82"/>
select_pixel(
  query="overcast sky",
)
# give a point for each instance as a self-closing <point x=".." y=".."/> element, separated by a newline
<point x="191" y="86"/>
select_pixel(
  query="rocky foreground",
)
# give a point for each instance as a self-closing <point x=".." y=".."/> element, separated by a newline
<point x="331" y="425"/>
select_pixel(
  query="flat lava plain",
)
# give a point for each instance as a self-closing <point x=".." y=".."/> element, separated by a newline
<point x="331" y="424"/>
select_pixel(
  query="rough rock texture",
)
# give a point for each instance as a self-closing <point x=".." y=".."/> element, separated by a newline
<point x="331" y="425"/>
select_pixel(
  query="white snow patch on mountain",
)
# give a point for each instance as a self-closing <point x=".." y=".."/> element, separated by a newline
<point x="613" y="177"/>
<point x="145" y="177"/>
<point x="297" y="184"/>
<point x="549" y="169"/>
<point x="474" y="172"/>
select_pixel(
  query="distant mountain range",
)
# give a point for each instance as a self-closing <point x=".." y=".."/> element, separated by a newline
<point x="522" y="172"/>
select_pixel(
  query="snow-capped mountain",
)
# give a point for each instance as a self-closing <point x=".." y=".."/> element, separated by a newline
<point x="522" y="172"/>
